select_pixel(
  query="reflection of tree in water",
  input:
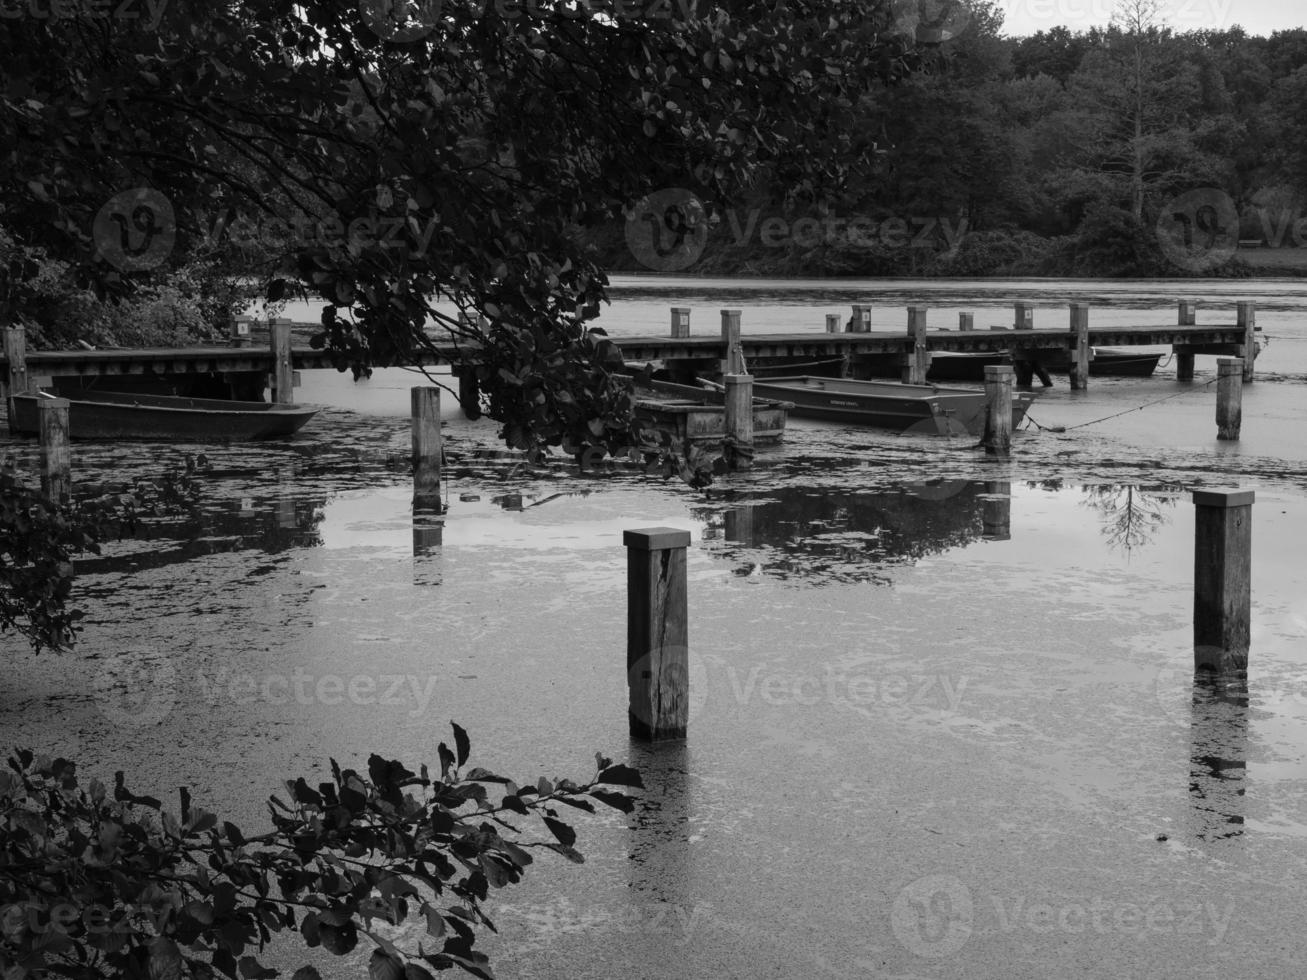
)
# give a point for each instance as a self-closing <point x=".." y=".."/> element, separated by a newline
<point x="1131" y="515"/>
<point x="846" y="536"/>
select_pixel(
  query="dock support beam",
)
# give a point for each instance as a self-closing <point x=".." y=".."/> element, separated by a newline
<point x="425" y="420"/>
<point x="657" y="633"/>
<point x="1229" y="398"/>
<point x="1248" y="324"/>
<point x="283" y="372"/>
<point x="739" y="421"/>
<point x="861" y="322"/>
<point x="17" y="381"/>
<point x="918" y="359"/>
<point x="56" y="460"/>
<point x="1079" y="346"/>
<point x="833" y="323"/>
<point x="997" y="439"/>
<point x="1223" y="538"/>
<point x="733" y="362"/>
<point x="680" y="321"/>
<point x="966" y="321"/>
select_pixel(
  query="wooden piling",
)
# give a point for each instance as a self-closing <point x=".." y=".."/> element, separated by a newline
<point x="739" y="420"/>
<point x="1229" y="397"/>
<point x="918" y="359"/>
<point x="657" y="633"/>
<point x="1223" y="536"/>
<point x="1023" y="316"/>
<point x="283" y="372"/>
<point x="240" y="331"/>
<point x="966" y="321"/>
<point x="56" y="459"/>
<point x="733" y="362"/>
<point x="680" y="321"/>
<point x="17" y="381"/>
<point x="833" y="324"/>
<point x="425" y="420"/>
<point x="861" y="319"/>
<point x="1248" y="324"/>
<point x="997" y="439"/>
<point x="1080" y="351"/>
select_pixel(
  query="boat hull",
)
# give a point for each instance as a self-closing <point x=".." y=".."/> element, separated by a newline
<point x="964" y="366"/>
<point x="698" y="415"/>
<point x="924" y="409"/>
<point x="111" y="415"/>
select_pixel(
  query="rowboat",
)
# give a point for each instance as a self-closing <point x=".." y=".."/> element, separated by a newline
<point x="116" y="415"/>
<point x="970" y="366"/>
<point x="696" y="414"/>
<point x="925" y="409"/>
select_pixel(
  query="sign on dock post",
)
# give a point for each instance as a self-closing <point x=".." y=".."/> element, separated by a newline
<point x="861" y="322"/>
<point x="1024" y="316"/>
<point x="680" y="321"/>
<point x="657" y="633"/>
<point x="1080" y="352"/>
<point x="1229" y="398"/>
<point x="1223" y="538"/>
<point x="240" y="331"/>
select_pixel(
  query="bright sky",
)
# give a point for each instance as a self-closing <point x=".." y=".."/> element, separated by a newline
<point x="1023" y="17"/>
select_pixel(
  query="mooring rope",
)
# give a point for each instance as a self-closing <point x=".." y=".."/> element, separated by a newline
<point x="1137" y="408"/>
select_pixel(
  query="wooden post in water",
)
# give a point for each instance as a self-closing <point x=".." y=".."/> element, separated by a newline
<point x="1248" y="323"/>
<point x="739" y="420"/>
<point x="17" y="381"/>
<point x="1229" y="398"/>
<point x="283" y="372"/>
<point x="680" y="321"/>
<point x="733" y="362"/>
<point x="657" y="633"/>
<point x="425" y="420"/>
<point x="918" y="359"/>
<point x="833" y="323"/>
<point x="1079" y="346"/>
<point x="1024" y="316"/>
<point x="997" y="439"/>
<point x="56" y="460"/>
<point x="996" y="511"/>
<point x="1184" y="356"/>
<point x="1223" y="540"/>
<point x="966" y="321"/>
<point x="861" y="319"/>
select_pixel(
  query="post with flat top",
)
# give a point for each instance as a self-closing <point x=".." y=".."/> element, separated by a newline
<point x="1079" y="346"/>
<point x="56" y="460"/>
<point x="283" y="373"/>
<point x="1223" y="541"/>
<point x="1184" y="355"/>
<point x="680" y="321"/>
<point x="833" y="323"/>
<point x="966" y="321"/>
<point x="733" y="362"/>
<point x="861" y="319"/>
<point x="1024" y="316"/>
<point x="240" y="331"/>
<point x="17" y="381"/>
<point x="425" y="421"/>
<point x="1248" y="324"/>
<point x="1229" y="398"/>
<point x="997" y="438"/>
<point x="918" y="358"/>
<point x="739" y="421"/>
<point x="657" y="633"/>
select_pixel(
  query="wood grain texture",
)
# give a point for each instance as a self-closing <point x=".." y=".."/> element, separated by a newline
<point x="1222" y="580"/>
<point x="657" y="653"/>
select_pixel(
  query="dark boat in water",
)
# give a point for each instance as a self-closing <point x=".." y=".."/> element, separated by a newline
<point x="115" y="415"/>
<point x="926" y="409"/>
<point x="1106" y="362"/>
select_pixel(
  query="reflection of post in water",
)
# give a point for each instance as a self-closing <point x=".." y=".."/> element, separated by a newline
<point x="660" y="830"/>
<point x="996" y="510"/>
<point x="428" y="536"/>
<point x="1218" y="759"/>
<point x="739" y="525"/>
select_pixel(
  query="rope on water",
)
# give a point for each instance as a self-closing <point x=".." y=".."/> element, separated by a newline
<point x="1137" y="408"/>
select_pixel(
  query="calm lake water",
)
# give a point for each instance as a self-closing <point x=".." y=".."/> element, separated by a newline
<point x="943" y="707"/>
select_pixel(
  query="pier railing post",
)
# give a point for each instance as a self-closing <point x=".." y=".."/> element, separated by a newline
<point x="1248" y="324"/>
<point x="861" y="319"/>
<point x="283" y="372"/>
<point x="680" y="321"/>
<point x="1023" y="316"/>
<point x="966" y="321"/>
<point x="425" y="421"/>
<point x="17" y="381"/>
<point x="1223" y="537"/>
<point x="1187" y="313"/>
<point x="56" y="459"/>
<point x="1229" y="397"/>
<point x="997" y="438"/>
<point x="1079" y="346"/>
<point x="657" y="632"/>
<point x="240" y="331"/>
<point x="739" y="420"/>
<point x="918" y="359"/>
<point x="733" y="362"/>
<point x="833" y="323"/>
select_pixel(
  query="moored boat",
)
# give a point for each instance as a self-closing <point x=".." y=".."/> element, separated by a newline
<point x="115" y="415"/>
<point x="926" y="409"/>
<point x="699" y="414"/>
<point x="970" y="366"/>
